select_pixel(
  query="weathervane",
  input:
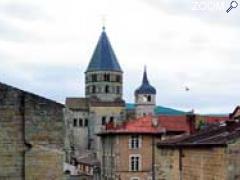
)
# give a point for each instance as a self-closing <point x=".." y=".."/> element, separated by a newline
<point x="103" y="22"/>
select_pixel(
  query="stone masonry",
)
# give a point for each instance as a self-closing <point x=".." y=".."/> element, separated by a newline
<point x="31" y="136"/>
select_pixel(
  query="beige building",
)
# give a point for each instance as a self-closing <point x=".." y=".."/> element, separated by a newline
<point x="128" y="150"/>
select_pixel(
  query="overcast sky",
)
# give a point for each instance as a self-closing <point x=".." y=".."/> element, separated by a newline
<point x="45" y="47"/>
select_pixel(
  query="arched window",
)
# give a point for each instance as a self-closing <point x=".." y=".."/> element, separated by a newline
<point x="86" y="123"/>
<point x="74" y="122"/>
<point x="93" y="89"/>
<point x="118" y="78"/>
<point x="118" y="90"/>
<point x="111" y="119"/>
<point x="149" y="98"/>
<point x="94" y="77"/>
<point x="107" y="77"/>
<point x="103" y="120"/>
<point x="80" y="122"/>
<point x="107" y="89"/>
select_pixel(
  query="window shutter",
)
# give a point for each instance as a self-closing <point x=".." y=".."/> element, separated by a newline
<point x="130" y="142"/>
<point x="140" y="141"/>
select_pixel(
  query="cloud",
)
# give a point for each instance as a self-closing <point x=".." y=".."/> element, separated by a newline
<point x="45" y="47"/>
<point x="24" y="11"/>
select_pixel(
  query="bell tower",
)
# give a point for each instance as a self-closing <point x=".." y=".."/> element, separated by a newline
<point x="145" y="97"/>
<point x="104" y="76"/>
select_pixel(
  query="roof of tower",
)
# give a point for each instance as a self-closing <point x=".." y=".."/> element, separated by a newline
<point x="103" y="58"/>
<point x="145" y="88"/>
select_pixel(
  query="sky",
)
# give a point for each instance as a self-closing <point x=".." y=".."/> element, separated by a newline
<point x="46" y="45"/>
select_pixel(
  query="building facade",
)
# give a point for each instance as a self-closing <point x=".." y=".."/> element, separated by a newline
<point x="128" y="150"/>
<point x="211" y="154"/>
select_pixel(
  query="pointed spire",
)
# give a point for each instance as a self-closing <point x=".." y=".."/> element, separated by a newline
<point x="103" y="28"/>
<point x="104" y="58"/>
<point x="145" y="79"/>
<point x="145" y="87"/>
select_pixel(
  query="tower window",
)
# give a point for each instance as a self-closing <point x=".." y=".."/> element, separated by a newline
<point x="118" y="89"/>
<point x="94" y="77"/>
<point x="107" y="89"/>
<point x="103" y="120"/>
<point x="118" y="78"/>
<point x="107" y="77"/>
<point x="93" y="89"/>
<point x="111" y="119"/>
<point x="86" y="122"/>
<point x="74" y="122"/>
<point x="149" y="98"/>
<point x="80" y="122"/>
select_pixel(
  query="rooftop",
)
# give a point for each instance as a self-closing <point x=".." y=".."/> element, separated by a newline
<point x="216" y="134"/>
<point x="150" y="125"/>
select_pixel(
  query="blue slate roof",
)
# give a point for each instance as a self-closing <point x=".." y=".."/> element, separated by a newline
<point x="145" y="88"/>
<point x="104" y="58"/>
<point x="160" y="110"/>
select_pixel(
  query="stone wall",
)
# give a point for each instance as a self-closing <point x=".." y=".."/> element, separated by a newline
<point x="233" y="160"/>
<point x="32" y="135"/>
<point x="167" y="164"/>
<point x="197" y="164"/>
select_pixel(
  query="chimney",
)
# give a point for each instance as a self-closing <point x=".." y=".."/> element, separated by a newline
<point x="191" y="120"/>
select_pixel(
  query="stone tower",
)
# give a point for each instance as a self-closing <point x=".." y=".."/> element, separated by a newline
<point x="103" y="89"/>
<point x="145" y="97"/>
<point x="103" y="101"/>
<point x="103" y="77"/>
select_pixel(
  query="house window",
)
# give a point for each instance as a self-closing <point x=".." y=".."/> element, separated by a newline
<point x="86" y="122"/>
<point x="74" y="122"/>
<point x="135" y="163"/>
<point x="103" y="120"/>
<point x="94" y="77"/>
<point x="80" y="122"/>
<point x="134" y="142"/>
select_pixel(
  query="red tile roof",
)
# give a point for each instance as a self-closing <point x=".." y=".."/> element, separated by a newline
<point x="214" y="119"/>
<point x="174" y="123"/>
<point x="216" y="135"/>
<point x="144" y="125"/>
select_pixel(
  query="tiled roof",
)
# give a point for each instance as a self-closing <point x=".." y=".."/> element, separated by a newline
<point x="77" y="103"/>
<point x="103" y="58"/>
<point x="218" y="134"/>
<point x="159" y="110"/>
<point x="145" y="87"/>
<point x="174" y="123"/>
<point x="146" y="125"/>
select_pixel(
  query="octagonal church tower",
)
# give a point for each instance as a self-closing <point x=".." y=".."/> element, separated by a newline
<point x="103" y="77"/>
<point x="103" y="89"/>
